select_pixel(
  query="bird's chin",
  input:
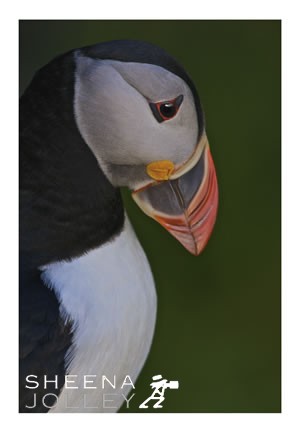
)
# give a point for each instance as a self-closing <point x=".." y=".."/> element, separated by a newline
<point x="186" y="206"/>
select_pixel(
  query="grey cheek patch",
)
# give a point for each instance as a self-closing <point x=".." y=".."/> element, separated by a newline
<point x="112" y="112"/>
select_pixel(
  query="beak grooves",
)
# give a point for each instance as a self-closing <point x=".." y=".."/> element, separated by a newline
<point x="194" y="227"/>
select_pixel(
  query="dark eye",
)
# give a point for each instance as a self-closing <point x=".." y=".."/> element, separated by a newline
<point x="166" y="110"/>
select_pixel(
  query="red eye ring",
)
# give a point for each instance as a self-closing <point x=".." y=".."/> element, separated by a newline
<point x="166" y="110"/>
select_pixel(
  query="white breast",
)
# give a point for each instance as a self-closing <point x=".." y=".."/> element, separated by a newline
<point x="110" y="294"/>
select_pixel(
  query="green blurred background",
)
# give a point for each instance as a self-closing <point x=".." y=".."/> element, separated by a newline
<point x="218" y="323"/>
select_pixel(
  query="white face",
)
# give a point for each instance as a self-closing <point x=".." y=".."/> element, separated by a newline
<point x="113" y="114"/>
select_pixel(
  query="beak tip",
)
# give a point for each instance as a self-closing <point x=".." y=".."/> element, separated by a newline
<point x="196" y="241"/>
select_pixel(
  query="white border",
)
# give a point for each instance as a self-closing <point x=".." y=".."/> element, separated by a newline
<point x="137" y="425"/>
<point x="154" y="9"/>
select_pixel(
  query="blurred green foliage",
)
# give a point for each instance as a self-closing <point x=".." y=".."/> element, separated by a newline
<point x="218" y="323"/>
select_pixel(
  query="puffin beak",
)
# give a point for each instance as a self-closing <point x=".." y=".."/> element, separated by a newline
<point x="184" y="202"/>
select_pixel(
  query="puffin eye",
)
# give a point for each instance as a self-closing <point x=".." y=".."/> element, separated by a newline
<point x="166" y="110"/>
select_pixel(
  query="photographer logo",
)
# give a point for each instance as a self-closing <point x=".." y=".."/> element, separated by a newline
<point x="159" y="385"/>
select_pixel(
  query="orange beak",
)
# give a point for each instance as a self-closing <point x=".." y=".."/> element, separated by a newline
<point x="187" y="205"/>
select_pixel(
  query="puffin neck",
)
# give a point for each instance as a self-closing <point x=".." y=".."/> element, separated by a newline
<point x="69" y="204"/>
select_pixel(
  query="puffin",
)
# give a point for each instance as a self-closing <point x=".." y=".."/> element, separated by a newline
<point x="115" y="114"/>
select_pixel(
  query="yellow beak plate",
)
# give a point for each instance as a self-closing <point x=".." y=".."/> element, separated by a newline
<point x="161" y="170"/>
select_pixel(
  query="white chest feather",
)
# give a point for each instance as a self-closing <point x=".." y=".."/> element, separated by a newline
<point x="109" y="293"/>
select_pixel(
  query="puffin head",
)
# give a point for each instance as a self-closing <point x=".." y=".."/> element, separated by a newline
<point x="139" y="113"/>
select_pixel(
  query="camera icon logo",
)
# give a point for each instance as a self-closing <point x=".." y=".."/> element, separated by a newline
<point x="159" y="385"/>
